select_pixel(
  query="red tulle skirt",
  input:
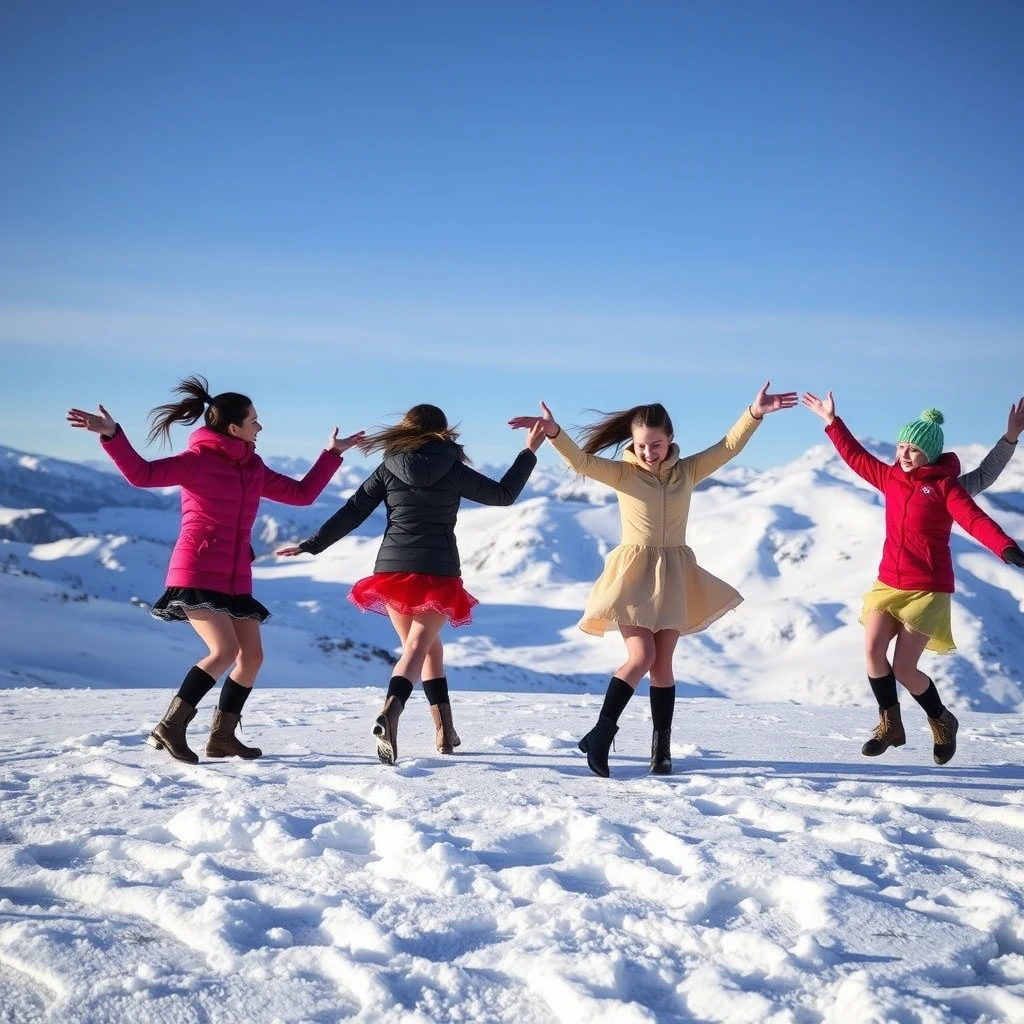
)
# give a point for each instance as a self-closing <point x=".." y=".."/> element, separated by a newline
<point x="413" y="592"/>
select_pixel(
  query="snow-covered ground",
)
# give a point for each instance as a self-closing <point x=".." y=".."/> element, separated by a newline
<point x="778" y="876"/>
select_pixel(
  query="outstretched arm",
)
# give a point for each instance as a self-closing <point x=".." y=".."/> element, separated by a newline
<point x="606" y="471"/>
<point x="169" y="472"/>
<point x="346" y="519"/>
<point x="852" y="452"/>
<point x="278" y="487"/>
<point x="999" y="457"/>
<point x="704" y="463"/>
<point x="981" y="527"/>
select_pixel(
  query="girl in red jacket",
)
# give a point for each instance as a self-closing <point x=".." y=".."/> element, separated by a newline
<point x="910" y="601"/>
<point x="209" y="579"/>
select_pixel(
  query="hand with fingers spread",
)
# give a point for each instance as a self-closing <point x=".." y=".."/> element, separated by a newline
<point x="765" y="403"/>
<point x="342" y="444"/>
<point x="103" y="423"/>
<point x="546" y="422"/>
<point x="823" y="407"/>
<point x="1015" y="421"/>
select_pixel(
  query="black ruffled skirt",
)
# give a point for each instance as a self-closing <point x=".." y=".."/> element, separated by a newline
<point x="175" y="601"/>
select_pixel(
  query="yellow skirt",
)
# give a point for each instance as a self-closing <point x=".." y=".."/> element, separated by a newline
<point x="919" y="610"/>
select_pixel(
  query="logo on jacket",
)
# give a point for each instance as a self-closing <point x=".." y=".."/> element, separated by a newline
<point x="926" y="489"/>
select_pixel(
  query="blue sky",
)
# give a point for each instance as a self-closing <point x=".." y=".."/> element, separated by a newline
<point x="343" y="209"/>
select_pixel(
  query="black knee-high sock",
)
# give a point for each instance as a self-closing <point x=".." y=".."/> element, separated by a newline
<point x="436" y="690"/>
<point x="884" y="689"/>
<point x="233" y="696"/>
<point x="663" y="704"/>
<point x="399" y="687"/>
<point x="929" y="700"/>
<point x="616" y="698"/>
<point x="196" y="685"/>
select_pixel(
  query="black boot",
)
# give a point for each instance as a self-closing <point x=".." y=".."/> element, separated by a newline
<point x="663" y="702"/>
<point x="385" y="728"/>
<point x="223" y="742"/>
<point x="661" y="756"/>
<point x="596" y="745"/>
<point x="170" y="732"/>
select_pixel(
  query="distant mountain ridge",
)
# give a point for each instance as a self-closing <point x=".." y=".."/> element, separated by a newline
<point x="801" y="542"/>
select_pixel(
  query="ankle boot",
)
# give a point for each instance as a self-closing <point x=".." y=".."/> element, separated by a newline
<point x="170" y="732"/>
<point x="386" y="730"/>
<point x="596" y="745"/>
<point x="446" y="737"/>
<point x="661" y="758"/>
<point x="223" y="742"/>
<point x="944" y="730"/>
<point x="888" y="733"/>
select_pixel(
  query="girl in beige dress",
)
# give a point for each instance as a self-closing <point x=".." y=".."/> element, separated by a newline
<point x="651" y="590"/>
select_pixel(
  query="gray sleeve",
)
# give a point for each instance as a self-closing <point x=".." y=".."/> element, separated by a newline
<point x="991" y="466"/>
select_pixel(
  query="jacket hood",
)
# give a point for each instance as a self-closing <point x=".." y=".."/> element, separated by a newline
<point x="234" y="449"/>
<point x="670" y="460"/>
<point x="425" y="466"/>
<point x="947" y="464"/>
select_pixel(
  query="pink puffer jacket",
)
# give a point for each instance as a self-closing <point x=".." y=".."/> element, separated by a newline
<point x="222" y="480"/>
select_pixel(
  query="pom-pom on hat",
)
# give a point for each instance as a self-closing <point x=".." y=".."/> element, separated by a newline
<point x="924" y="433"/>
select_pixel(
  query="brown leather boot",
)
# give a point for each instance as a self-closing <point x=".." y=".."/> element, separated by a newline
<point x="223" y="742"/>
<point x="944" y="730"/>
<point x="447" y="739"/>
<point x="888" y="733"/>
<point x="386" y="730"/>
<point x="170" y="732"/>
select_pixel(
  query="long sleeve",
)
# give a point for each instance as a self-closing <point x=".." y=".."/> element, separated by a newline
<point x="867" y="466"/>
<point x="612" y="472"/>
<point x="991" y="466"/>
<point x="350" y="515"/>
<point x="278" y="487"/>
<point x="704" y="463"/>
<point x="475" y="486"/>
<point x="169" y="472"/>
<point x="981" y="527"/>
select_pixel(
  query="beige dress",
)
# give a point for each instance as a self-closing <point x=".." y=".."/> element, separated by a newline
<point x="652" y="579"/>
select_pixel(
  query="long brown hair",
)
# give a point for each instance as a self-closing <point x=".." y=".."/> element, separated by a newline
<point x="614" y="429"/>
<point x="422" y="423"/>
<point x="218" y="411"/>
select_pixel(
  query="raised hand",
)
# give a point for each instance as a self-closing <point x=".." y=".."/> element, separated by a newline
<point x="545" y="420"/>
<point x="823" y="407"/>
<point x="765" y="403"/>
<point x="1014" y="556"/>
<point x="342" y="444"/>
<point x="536" y="436"/>
<point x="1015" y="421"/>
<point x="289" y="551"/>
<point x="104" y="423"/>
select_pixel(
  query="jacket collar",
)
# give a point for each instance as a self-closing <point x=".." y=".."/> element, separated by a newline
<point x="671" y="459"/>
<point x="234" y="449"/>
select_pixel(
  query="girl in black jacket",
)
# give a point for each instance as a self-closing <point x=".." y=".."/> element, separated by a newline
<point x="417" y="579"/>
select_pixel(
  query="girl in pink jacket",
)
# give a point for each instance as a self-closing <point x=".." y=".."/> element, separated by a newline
<point x="209" y="579"/>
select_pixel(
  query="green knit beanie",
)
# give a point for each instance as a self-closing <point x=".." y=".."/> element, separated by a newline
<point x="925" y="433"/>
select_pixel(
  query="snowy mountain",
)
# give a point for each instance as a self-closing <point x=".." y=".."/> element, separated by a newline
<point x="801" y="542"/>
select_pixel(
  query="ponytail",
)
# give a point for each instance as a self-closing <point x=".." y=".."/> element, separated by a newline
<point x="218" y="412"/>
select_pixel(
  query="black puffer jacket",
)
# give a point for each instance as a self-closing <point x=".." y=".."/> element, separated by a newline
<point x="421" y="491"/>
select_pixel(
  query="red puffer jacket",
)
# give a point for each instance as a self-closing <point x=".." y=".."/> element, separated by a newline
<point x="222" y="480"/>
<point x="920" y="507"/>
